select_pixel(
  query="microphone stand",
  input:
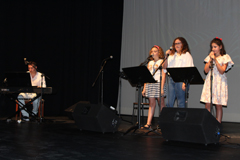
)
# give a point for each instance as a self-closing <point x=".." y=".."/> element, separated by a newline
<point x="100" y="72"/>
<point x="160" y="96"/>
<point x="41" y="100"/>
<point x="41" y="118"/>
<point x="211" y="81"/>
<point x="146" y="61"/>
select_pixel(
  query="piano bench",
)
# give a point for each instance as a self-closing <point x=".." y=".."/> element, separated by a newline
<point x="26" y="101"/>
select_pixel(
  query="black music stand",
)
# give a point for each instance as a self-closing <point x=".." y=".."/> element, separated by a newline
<point x="137" y="76"/>
<point x="18" y="79"/>
<point x="188" y="75"/>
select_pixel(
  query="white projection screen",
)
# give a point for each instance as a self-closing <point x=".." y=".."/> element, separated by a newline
<point x="159" y="22"/>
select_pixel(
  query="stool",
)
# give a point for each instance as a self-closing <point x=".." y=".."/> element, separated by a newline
<point x="26" y="101"/>
<point x="142" y="107"/>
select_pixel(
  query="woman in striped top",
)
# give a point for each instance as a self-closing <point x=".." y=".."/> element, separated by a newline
<point x="152" y="90"/>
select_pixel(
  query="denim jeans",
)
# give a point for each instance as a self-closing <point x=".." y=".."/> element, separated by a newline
<point x="36" y="102"/>
<point x="174" y="91"/>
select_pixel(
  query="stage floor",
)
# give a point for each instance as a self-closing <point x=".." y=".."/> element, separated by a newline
<point x="60" y="138"/>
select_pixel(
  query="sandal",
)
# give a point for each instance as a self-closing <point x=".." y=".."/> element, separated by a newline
<point x="147" y="126"/>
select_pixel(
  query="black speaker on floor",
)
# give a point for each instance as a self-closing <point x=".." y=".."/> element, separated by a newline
<point x="189" y="125"/>
<point x="96" y="117"/>
<point x="71" y="109"/>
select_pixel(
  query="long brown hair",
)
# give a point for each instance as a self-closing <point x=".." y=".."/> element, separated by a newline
<point x="185" y="47"/>
<point x="219" y="42"/>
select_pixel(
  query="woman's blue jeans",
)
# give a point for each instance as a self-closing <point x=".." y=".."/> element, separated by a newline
<point x="175" y="92"/>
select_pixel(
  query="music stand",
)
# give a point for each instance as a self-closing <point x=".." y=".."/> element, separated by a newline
<point x="18" y="79"/>
<point x="137" y="76"/>
<point x="188" y="75"/>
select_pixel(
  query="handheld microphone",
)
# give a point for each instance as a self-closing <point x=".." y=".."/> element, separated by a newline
<point x="211" y="64"/>
<point x="171" y="48"/>
<point x="211" y="57"/>
<point x="25" y="61"/>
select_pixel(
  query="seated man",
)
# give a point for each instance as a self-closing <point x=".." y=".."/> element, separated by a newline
<point x="36" y="80"/>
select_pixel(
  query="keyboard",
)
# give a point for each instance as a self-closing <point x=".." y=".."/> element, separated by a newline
<point x="9" y="90"/>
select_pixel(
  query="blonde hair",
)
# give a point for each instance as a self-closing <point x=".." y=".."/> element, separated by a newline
<point x="160" y="52"/>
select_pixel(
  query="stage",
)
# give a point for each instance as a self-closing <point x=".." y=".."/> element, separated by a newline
<point x="60" y="138"/>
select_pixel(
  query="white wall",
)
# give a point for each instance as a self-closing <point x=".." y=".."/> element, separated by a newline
<point x="150" y="22"/>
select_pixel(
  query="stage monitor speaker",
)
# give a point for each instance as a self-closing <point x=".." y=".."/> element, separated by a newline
<point x="189" y="125"/>
<point x="71" y="109"/>
<point x="96" y="117"/>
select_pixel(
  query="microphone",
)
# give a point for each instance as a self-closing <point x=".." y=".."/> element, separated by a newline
<point x="147" y="60"/>
<point x="150" y="56"/>
<point x="25" y="61"/>
<point x="211" y="63"/>
<point x="111" y="57"/>
<point x="171" y="48"/>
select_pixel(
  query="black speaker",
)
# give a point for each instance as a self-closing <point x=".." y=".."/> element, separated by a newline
<point x="71" y="109"/>
<point x="95" y="117"/>
<point x="189" y="125"/>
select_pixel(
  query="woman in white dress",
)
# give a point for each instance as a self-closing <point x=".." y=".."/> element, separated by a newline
<point x="222" y="62"/>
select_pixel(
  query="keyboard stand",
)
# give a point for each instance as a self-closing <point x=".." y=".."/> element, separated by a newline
<point x="22" y="107"/>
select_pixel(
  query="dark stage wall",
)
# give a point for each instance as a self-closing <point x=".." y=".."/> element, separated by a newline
<point x="68" y="39"/>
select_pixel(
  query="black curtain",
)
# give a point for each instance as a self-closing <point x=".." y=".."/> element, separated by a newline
<point x="68" y="39"/>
